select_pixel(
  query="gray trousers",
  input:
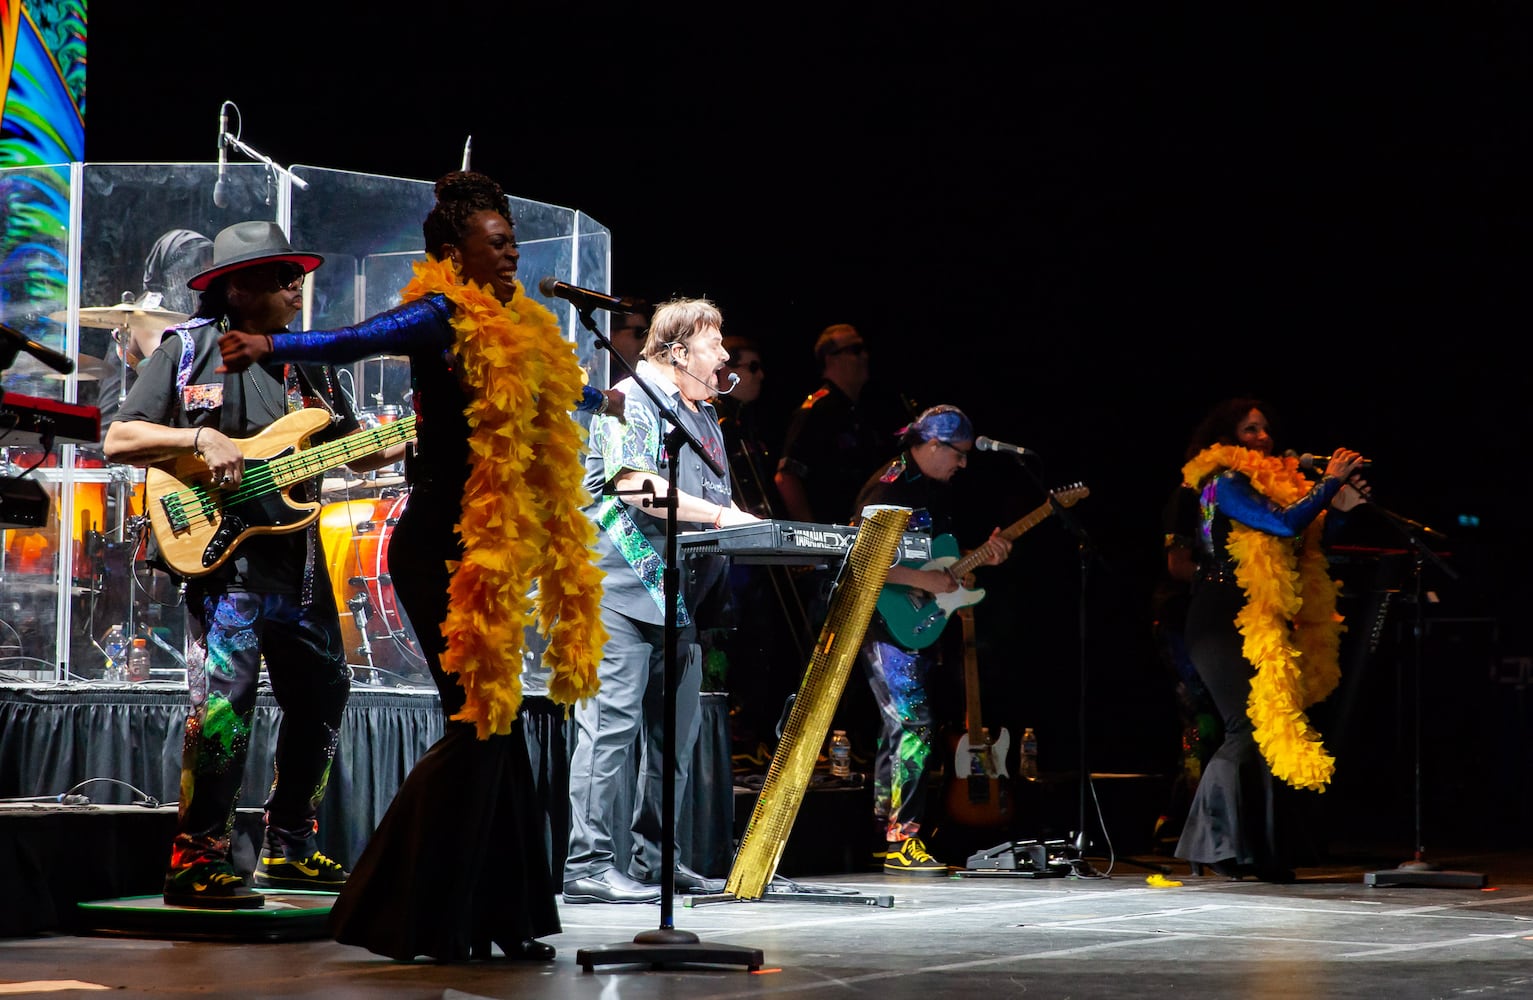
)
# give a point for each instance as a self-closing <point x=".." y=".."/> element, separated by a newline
<point x="627" y="716"/>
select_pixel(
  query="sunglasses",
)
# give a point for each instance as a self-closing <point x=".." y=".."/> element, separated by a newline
<point x="287" y="274"/>
<point x="753" y="367"/>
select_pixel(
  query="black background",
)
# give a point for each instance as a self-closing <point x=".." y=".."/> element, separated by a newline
<point x="1084" y="224"/>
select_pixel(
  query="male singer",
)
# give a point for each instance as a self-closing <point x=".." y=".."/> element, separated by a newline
<point x="628" y="465"/>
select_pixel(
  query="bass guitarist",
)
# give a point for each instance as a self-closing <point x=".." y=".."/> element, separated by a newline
<point x="271" y="599"/>
<point x="936" y="445"/>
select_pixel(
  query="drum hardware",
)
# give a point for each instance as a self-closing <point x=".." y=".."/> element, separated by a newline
<point x="355" y="536"/>
<point x="139" y="316"/>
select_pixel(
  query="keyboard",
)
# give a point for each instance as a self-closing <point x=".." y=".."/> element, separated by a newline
<point x="26" y="420"/>
<point x="790" y="542"/>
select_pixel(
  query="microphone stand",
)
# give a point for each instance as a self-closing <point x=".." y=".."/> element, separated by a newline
<point x="1418" y="871"/>
<point x="666" y="944"/>
<point x="235" y="142"/>
<point x="1086" y="550"/>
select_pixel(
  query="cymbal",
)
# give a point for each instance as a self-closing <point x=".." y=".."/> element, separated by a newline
<point x="86" y="367"/>
<point x="124" y="315"/>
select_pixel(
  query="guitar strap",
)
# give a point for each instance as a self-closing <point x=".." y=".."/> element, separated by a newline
<point x="228" y="423"/>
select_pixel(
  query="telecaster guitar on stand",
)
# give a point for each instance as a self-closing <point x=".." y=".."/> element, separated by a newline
<point x="979" y="793"/>
<point x="914" y="617"/>
<point x="199" y="527"/>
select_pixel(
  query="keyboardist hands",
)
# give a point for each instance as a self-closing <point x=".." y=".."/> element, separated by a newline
<point x="732" y="515"/>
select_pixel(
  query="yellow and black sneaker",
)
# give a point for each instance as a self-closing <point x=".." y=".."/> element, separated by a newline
<point x="909" y="857"/>
<point x="210" y="885"/>
<point x="312" y="871"/>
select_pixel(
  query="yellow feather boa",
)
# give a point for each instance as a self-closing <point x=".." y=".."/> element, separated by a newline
<point x="1289" y="623"/>
<point x="522" y="520"/>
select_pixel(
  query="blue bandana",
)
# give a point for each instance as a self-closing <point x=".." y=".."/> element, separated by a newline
<point x="941" y="423"/>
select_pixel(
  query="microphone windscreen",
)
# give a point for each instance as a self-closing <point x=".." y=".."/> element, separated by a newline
<point x="547" y="286"/>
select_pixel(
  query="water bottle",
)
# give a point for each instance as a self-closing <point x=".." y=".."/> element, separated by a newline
<point x="1028" y="765"/>
<point x="840" y="755"/>
<point x="138" y="660"/>
<point x="115" y="645"/>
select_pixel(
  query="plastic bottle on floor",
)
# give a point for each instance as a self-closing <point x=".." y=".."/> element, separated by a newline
<point x="840" y="755"/>
<point x="1028" y="765"/>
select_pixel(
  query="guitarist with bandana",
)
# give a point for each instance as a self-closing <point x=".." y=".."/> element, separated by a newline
<point x="936" y="445"/>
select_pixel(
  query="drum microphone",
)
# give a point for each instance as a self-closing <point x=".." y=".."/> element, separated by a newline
<point x="585" y="298"/>
<point x="220" y="195"/>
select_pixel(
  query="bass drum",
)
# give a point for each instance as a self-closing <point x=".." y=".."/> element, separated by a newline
<point x="380" y="644"/>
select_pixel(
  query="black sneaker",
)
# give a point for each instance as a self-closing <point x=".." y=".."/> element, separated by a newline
<point x="909" y="857"/>
<point x="210" y="885"/>
<point x="312" y="871"/>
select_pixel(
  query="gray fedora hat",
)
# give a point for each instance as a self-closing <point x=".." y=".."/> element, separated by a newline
<point x="246" y="243"/>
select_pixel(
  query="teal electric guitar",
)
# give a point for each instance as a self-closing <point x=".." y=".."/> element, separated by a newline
<point x="915" y="617"/>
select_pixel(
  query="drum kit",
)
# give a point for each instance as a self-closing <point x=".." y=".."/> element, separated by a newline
<point x="356" y="521"/>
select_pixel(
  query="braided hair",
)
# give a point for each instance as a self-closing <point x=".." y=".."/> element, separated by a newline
<point x="461" y="195"/>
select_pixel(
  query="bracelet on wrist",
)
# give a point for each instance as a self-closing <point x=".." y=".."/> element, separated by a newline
<point x="196" y="451"/>
<point x="718" y="516"/>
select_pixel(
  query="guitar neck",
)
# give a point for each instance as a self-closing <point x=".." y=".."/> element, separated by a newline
<point x="306" y="463"/>
<point x="975" y="721"/>
<point x="961" y="568"/>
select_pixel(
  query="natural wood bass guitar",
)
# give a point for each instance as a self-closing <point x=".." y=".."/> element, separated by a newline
<point x="198" y="526"/>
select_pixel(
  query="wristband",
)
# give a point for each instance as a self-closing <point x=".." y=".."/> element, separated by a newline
<point x="719" y="516"/>
<point x="196" y="451"/>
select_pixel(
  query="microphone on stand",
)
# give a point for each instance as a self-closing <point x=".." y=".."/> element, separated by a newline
<point x="61" y="363"/>
<point x="991" y="444"/>
<point x="220" y="195"/>
<point x="585" y="298"/>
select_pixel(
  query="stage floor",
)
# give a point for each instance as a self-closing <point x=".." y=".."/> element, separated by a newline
<point x="1327" y="936"/>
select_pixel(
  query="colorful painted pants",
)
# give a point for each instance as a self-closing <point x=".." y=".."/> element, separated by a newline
<point x="898" y="680"/>
<point x="310" y="679"/>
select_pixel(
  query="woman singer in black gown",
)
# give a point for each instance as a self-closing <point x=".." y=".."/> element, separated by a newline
<point x="1262" y="631"/>
<point x="459" y="862"/>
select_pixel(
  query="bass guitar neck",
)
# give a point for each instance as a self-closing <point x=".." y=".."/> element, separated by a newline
<point x="198" y="527"/>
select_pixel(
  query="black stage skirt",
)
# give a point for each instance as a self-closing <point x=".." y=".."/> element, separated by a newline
<point x="459" y="859"/>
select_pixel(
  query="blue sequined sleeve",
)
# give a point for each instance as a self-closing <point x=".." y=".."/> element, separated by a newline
<point x="1238" y="501"/>
<point x="422" y="325"/>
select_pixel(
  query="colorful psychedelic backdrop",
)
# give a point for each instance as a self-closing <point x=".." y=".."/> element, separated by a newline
<point x="42" y="130"/>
